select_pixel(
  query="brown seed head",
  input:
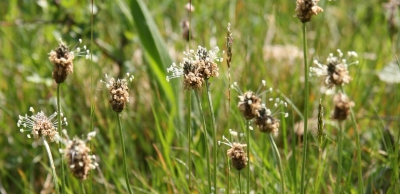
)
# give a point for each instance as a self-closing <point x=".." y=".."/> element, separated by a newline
<point x="119" y="92"/>
<point x="335" y="71"/>
<point x="40" y="125"/>
<point x="249" y="105"/>
<point x="78" y="158"/>
<point x="196" y="67"/>
<point x="62" y="61"/>
<point x="342" y="107"/>
<point x="266" y="122"/>
<point x="238" y="156"/>
<point x="305" y="9"/>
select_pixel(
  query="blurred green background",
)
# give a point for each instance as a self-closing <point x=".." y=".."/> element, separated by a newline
<point x="267" y="46"/>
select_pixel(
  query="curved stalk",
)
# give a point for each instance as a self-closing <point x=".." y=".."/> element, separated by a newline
<point x="53" y="168"/>
<point x="276" y="151"/>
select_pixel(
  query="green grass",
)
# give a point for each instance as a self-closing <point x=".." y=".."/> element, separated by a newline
<point x="144" y="38"/>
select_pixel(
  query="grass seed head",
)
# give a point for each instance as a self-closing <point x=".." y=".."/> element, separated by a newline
<point x="305" y="9"/>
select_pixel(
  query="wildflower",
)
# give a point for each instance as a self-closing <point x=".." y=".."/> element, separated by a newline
<point x="305" y="9"/>
<point x="62" y="60"/>
<point x="40" y="125"/>
<point x="249" y="102"/>
<point x="196" y="67"/>
<point x="78" y="157"/>
<point x="236" y="153"/>
<point x="266" y="120"/>
<point x="119" y="94"/>
<point x="335" y="71"/>
<point x="342" y="107"/>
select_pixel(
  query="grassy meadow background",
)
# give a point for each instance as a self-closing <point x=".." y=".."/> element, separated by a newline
<point x="144" y="38"/>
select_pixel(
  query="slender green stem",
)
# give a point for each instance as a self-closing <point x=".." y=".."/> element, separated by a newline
<point x="189" y="136"/>
<point x="59" y="143"/>
<point x="248" y="155"/>
<point x="91" y="90"/>
<point x="228" y="186"/>
<point x="83" y="191"/>
<point x="240" y="184"/>
<point x="306" y="94"/>
<point x="205" y="141"/>
<point x="280" y="167"/>
<point x="339" y="155"/>
<point x="53" y="168"/>
<point x="214" y="134"/>
<point x="359" y="169"/>
<point x="317" y="180"/>
<point x="124" y="154"/>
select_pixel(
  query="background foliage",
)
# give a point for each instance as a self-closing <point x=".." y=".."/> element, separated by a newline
<point x="267" y="45"/>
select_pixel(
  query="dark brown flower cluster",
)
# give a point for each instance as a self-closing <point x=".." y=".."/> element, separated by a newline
<point x="238" y="156"/>
<point x="62" y="61"/>
<point x="305" y="9"/>
<point x="62" y="58"/>
<point x="342" y="107"/>
<point x="266" y="122"/>
<point x="78" y="158"/>
<point x="119" y="92"/>
<point x="196" y="67"/>
<point x="249" y="105"/>
<point x="335" y="71"/>
<point x="40" y="125"/>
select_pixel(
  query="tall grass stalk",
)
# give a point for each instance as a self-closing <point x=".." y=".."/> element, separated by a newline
<point x="339" y="155"/>
<point x="248" y="155"/>
<point x="189" y="136"/>
<point x="359" y="167"/>
<point x="124" y="154"/>
<point x="206" y="143"/>
<point x="278" y="156"/>
<point x="53" y="168"/>
<point x="59" y="143"/>
<point x="306" y="94"/>
<point x="91" y="89"/>
<point x="214" y="134"/>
